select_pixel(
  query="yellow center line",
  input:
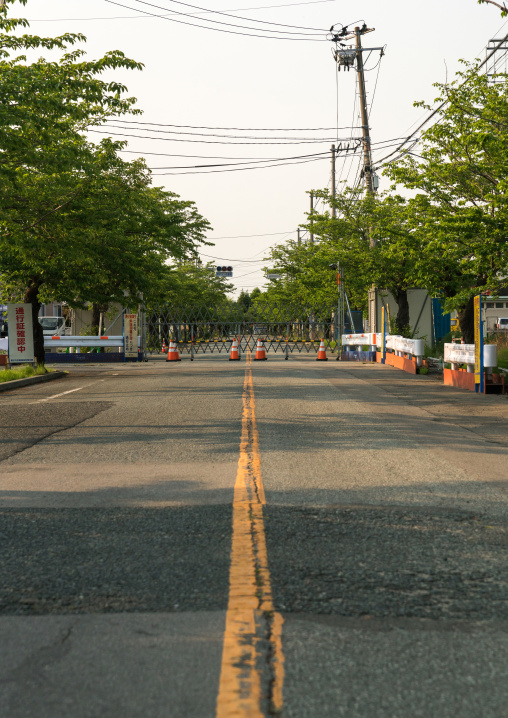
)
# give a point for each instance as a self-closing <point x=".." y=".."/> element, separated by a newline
<point x="253" y="634"/>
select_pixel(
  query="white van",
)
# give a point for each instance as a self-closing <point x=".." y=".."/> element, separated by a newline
<point x="502" y="324"/>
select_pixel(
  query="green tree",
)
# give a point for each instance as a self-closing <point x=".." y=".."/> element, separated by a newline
<point x="460" y="176"/>
<point x="77" y="223"/>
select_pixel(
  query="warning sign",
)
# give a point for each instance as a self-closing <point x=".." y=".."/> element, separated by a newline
<point x="21" y="336"/>
<point x="130" y="335"/>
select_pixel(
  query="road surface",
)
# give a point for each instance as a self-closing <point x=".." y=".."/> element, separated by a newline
<point x="292" y="538"/>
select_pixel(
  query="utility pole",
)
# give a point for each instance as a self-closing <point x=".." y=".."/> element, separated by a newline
<point x="298" y="235"/>
<point x="345" y="58"/>
<point x="311" y="212"/>
<point x="367" y="155"/>
<point x="334" y="210"/>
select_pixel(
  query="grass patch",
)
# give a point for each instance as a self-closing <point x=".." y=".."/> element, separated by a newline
<point x="21" y="372"/>
<point x="502" y="357"/>
<point x="423" y="370"/>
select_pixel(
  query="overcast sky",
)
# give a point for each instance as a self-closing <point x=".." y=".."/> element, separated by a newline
<point x="279" y="89"/>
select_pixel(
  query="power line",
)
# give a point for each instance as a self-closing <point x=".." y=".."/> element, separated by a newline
<point x="258" y="161"/>
<point x="204" y="12"/>
<point x="217" y="29"/>
<point x="241" y="261"/>
<point x="249" y="236"/>
<point x="237" y="129"/>
<point x="237" y="169"/>
<point x="216" y="142"/>
<point x="211" y="134"/>
<point x="225" y="14"/>
<point x="382" y="162"/>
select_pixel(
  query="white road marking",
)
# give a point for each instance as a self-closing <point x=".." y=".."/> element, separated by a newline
<point x="55" y="396"/>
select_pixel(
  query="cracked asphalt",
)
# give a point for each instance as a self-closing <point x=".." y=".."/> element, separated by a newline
<point x="386" y="530"/>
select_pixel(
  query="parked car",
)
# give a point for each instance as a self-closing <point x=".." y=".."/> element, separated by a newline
<point x="502" y="324"/>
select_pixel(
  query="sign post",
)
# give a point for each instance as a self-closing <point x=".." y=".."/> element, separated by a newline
<point x="479" y="378"/>
<point x="130" y="336"/>
<point x="21" y="335"/>
<point x="383" y="335"/>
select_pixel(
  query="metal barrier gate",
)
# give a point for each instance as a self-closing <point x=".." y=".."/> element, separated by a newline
<point x="199" y="330"/>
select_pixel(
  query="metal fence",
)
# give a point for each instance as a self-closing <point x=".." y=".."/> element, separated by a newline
<point x="199" y="330"/>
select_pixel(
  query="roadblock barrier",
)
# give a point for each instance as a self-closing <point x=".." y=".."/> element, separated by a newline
<point x="458" y="355"/>
<point x="402" y="353"/>
<point x="58" y="341"/>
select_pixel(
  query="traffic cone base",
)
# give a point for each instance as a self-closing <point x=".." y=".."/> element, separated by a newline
<point x="322" y="352"/>
<point x="234" y="356"/>
<point x="173" y="354"/>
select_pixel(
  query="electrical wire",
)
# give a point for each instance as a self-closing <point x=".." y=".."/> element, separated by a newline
<point x="241" y="261"/>
<point x="249" y="236"/>
<point x="217" y="29"/>
<point x="233" y="137"/>
<point x="228" y="14"/>
<point x="216" y="142"/>
<point x="236" y="129"/>
<point x="375" y="88"/>
<point x="383" y="163"/>
<point x="228" y="164"/>
<point x="136" y="17"/>
<point x="238" y="169"/>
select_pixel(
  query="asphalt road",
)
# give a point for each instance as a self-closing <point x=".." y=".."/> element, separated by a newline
<point x="385" y="527"/>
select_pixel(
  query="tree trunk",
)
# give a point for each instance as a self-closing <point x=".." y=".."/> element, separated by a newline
<point x="32" y="297"/>
<point x="402" y="319"/>
<point x="96" y="317"/>
<point x="466" y="321"/>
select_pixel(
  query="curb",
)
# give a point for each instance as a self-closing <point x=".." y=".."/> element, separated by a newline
<point x="17" y="383"/>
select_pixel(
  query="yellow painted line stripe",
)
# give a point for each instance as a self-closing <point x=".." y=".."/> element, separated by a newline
<point x="250" y="617"/>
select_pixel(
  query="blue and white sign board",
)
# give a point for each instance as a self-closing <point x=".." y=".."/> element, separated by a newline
<point x="21" y="336"/>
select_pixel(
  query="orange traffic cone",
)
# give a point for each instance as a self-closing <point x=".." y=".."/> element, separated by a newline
<point x="164" y="347"/>
<point x="173" y="354"/>
<point x="234" y="356"/>
<point x="322" y="352"/>
<point x="260" y="351"/>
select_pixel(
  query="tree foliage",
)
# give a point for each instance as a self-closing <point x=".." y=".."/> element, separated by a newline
<point x="77" y="223"/>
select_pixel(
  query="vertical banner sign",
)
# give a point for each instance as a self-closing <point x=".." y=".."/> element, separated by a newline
<point x="130" y="335"/>
<point x="21" y="336"/>
<point x="478" y="345"/>
<point x="383" y="341"/>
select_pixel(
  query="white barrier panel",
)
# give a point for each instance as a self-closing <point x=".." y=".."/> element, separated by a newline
<point x="58" y="342"/>
<point x="358" y="340"/>
<point x="415" y="347"/>
<point x="464" y="354"/>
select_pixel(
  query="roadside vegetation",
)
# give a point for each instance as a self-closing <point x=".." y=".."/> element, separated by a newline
<point x="442" y="225"/>
<point x="21" y="372"/>
<point x="79" y="224"/>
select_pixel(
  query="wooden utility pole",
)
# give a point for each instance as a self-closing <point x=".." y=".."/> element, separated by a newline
<point x="298" y="235"/>
<point x="334" y="211"/>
